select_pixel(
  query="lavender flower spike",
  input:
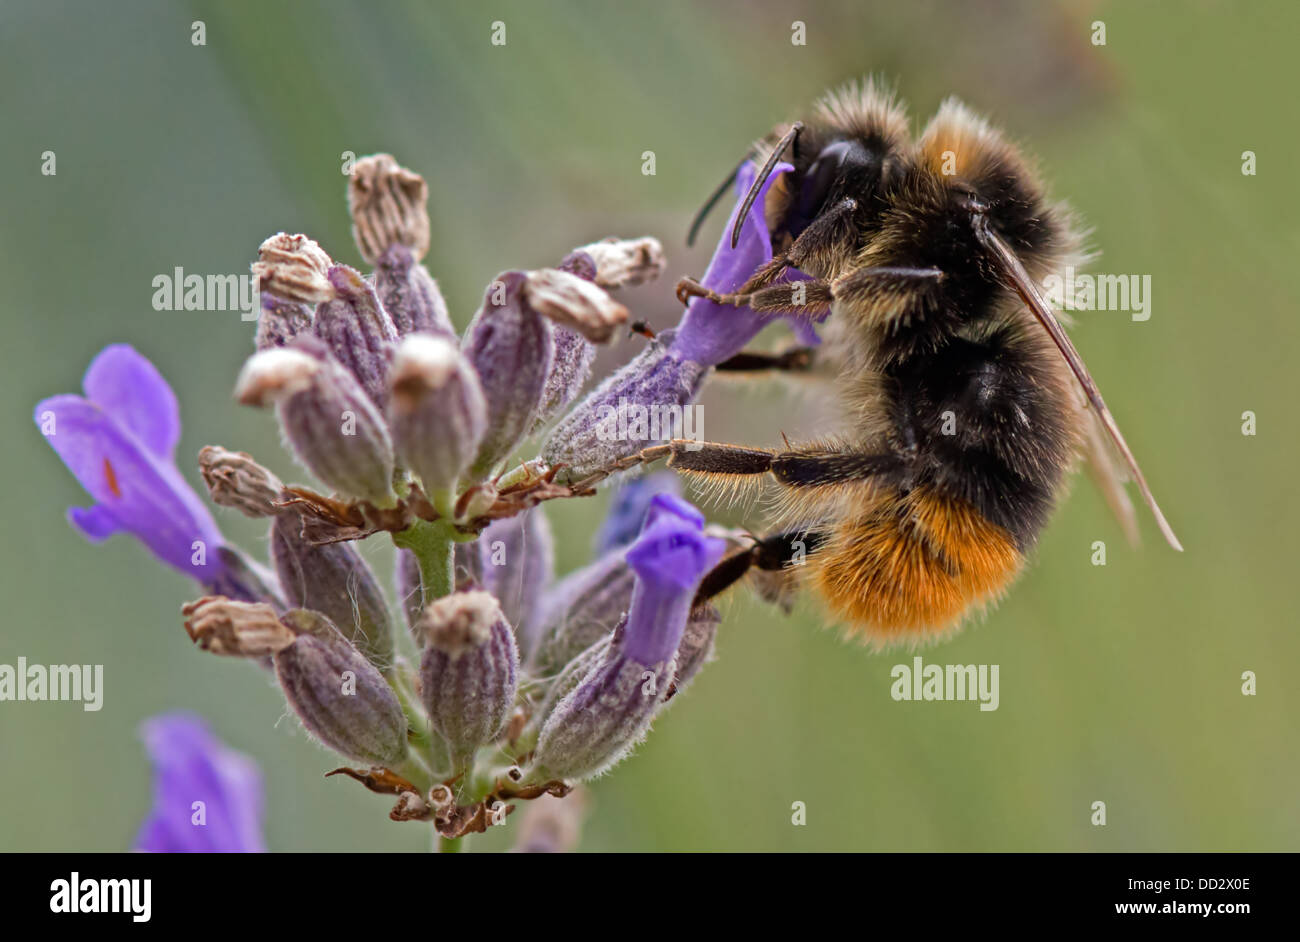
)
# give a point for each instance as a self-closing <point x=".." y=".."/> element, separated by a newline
<point x="119" y="440"/>
<point x="600" y="721"/>
<point x="192" y="766"/>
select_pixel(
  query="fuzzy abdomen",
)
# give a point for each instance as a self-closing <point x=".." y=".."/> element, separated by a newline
<point x="912" y="565"/>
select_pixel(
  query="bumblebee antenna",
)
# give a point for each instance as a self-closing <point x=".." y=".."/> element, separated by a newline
<point x="713" y="201"/>
<point x="790" y="136"/>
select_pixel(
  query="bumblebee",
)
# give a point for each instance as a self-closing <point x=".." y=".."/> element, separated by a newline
<point x="967" y="405"/>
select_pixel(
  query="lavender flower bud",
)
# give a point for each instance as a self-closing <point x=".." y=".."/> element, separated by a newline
<point x="235" y="629"/>
<point x="517" y="559"/>
<point x="335" y="580"/>
<point x="436" y="411"/>
<point x="333" y="426"/>
<point x="339" y="696"/>
<point x="696" y="648"/>
<point x="575" y="303"/>
<point x="280" y="321"/>
<point x="600" y="721"/>
<point x="387" y="203"/>
<point x="468" y="674"/>
<point x="574" y="353"/>
<point x="587" y="439"/>
<point x="570" y="367"/>
<point x="235" y="480"/>
<point x="621" y="262"/>
<point x="579" y="610"/>
<point x="572" y="674"/>
<point x="358" y="330"/>
<point x="510" y="346"/>
<point x="410" y="295"/>
<point x="294" y="268"/>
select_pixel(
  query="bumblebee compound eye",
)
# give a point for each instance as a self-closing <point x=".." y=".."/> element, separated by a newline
<point x="841" y="167"/>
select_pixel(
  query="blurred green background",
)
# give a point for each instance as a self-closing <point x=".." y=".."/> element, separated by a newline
<point x="1118" y="683"/>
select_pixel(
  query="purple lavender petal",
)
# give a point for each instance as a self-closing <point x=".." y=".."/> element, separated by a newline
<point x="135" y="490"/>
<point x="131" y="390"/>
<point x="670" y="557"/>
<point x="630" y="506"/>
<point x="190" y="764"/>
<point x="711" y="333"/>
<point x="604" y="715"/>
<point x="96" y="523"/>
<point x="670" y="504"/>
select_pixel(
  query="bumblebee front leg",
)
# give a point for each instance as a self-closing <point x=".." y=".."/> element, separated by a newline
<point x="811" y="298"/>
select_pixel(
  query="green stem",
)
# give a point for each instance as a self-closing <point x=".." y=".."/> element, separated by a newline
<point x="433" y="544"/>
<point x="450" y="845"/>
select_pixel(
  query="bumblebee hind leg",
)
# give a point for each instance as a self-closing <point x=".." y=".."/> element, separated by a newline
<point x="769" y="554"/>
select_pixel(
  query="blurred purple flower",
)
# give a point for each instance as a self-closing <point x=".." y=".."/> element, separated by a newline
<point x="628" y="509"/>
<point x="119" y="440"/>
<point x="191" y="765"/>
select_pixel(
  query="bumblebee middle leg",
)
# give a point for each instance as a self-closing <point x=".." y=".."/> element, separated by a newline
<point x="792" y="468"/>
<point x="794" y="360"/>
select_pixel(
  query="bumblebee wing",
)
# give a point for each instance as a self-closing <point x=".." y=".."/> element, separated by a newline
<point x="1106" y="471"/>
<point x="1014" y="273"/>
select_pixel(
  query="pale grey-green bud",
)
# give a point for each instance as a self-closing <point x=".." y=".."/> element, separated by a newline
<point x="339" y="696"/>
<point x="436" y="410"/>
